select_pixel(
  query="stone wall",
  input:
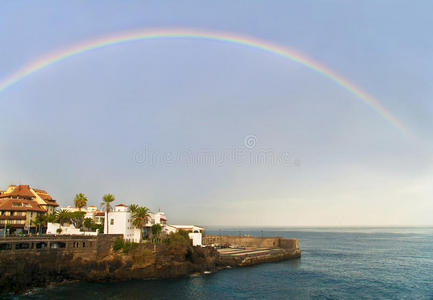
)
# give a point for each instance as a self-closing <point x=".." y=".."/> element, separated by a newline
<point x="84" y="247"/>
<point x="289" y="243"/>
<point x="250" y="241"/>
<point x="105" y="244"/>
<point x="22" y="269"/>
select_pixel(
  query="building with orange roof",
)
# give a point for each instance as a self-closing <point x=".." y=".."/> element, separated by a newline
<point x="21" y="204"/>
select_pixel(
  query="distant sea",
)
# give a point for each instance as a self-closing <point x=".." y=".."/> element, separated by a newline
<point x="336" y="263"/>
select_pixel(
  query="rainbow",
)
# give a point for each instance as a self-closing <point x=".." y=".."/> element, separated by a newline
<point x="206" y="35"/>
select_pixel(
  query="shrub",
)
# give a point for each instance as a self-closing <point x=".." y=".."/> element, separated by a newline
<point x="180" y="238"/>
<point x="99" y="227"/>
<point x="126" y="247"/>
<point x="59" y="230"/>
<point x="118" y="244"/>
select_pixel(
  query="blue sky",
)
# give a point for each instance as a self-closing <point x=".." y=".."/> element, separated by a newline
<point x="91" y="122"/>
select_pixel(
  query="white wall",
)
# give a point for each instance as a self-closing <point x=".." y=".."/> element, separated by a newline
<point x="120" y="222"/>
<point x="67" y="229"/>
<point x="195" y="235"/>
<point x="196" y="238"/>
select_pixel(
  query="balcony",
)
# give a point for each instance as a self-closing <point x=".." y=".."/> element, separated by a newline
<point x="13" y="217"/>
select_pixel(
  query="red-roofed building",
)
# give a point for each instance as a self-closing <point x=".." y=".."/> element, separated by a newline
<point x="21" y="204"/>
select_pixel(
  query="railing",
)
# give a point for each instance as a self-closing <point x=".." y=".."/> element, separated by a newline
<point x="45" y="236"/>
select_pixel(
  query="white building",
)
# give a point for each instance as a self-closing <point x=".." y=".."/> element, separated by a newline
<point x="99" y="217"/>
<point x="195" y="233"/>
<point x="91" y="211"/>
<point x="158" y="218"/>
<point x="119" y="221"/>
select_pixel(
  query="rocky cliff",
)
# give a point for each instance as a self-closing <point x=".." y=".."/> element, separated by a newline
<point x="21" y="272"/>
<point x="96" y="260"/>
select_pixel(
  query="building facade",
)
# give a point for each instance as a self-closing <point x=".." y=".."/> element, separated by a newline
<point x="120" y="221"/>
<point x="195" y="233"/>
<point x="90" y="211"/>
<point x="20" y="205"/>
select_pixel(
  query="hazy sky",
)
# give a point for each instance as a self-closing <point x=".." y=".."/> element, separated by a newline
<point x="215" y="133"/>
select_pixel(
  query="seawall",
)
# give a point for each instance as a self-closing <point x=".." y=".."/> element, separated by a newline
<point x="249" y="250"/>
<point x="84" y="247"/>
<point x="250" y="241"/>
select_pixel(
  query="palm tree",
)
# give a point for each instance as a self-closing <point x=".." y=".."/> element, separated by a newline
<point x="140" y="217"/>
<point x="133" y="208"/>
<point x="106" y="205"/>
<point x="37" y="222"/>
<point x="62" y="216"/>
<point x="41" y="221"/>
<point x="44" y="219"/>
<point x="80" y="201"/>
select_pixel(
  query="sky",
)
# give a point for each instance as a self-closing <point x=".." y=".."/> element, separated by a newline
<point x="216" y="133"/>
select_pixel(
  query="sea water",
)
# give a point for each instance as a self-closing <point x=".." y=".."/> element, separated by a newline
<point x="336" y="263"/>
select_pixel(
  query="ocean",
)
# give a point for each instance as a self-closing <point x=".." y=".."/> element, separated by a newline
<point x="336" y="263"/>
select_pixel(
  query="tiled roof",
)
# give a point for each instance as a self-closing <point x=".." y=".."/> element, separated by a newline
<point x="25" y="191"/>
<point x="20" y="191"/>
<point x="51" y="203"/>
<point x="122" y="205"/>
<point x="10" y="204"/>
<point x="46" y="197"/>
<point x="43" y="194"/>
<point x="100" y="213"/>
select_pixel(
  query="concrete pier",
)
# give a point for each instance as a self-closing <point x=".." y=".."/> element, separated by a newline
<point x="250" y="250"/>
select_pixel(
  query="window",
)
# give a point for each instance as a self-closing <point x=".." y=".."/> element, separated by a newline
<point x="5" y="247"/>
<point x="16" y="204"/>
<point x="41" y="245"/>
<point x="112" y="222"/>
<point x="56" y="245"/>
<point x="22" y="246"/>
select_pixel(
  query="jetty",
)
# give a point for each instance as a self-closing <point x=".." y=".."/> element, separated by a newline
<point x="249" y="250"/>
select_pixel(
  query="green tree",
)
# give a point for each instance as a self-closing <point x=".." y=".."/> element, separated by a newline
<point x="156" y="231"/>
<point x="178" y="239"/>
<point x="88" y="223"/>
<point x="133" y="208"/>
<point x="37" y="222"/>
<point x="49" y="218"/>
<point x="80" y="201"/>
<point x="140" y="217"/>
<point x="77" y="218"/>
<point x="107" y="199"/>
<point x="62" y="216"/>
